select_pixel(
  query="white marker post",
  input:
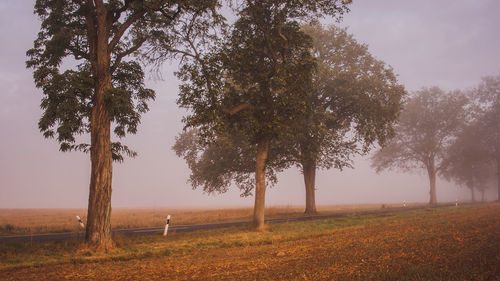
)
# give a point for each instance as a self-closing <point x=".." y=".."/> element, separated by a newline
<point x="456" y="203"/>
<point x="80" y="221"/>
<point x="404" y="203"/>
<point x="166" y="226"/>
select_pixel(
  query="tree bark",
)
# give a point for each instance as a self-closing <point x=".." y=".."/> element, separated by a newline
<point x="498" y="176"/>
<point x="98" y="231"/>
<point x="309" y="172"/>
<point x="260" y="184"/>
<point x="431" y="171"/>
<point x="473" y="197"/>
<point x="482" y="195"/>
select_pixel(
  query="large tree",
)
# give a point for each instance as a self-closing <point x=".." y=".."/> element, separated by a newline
<point x="353" y="102"/>
<point x="255" y="84"/>
<point x="426" y="128"/>
<point x="90" y="85"/>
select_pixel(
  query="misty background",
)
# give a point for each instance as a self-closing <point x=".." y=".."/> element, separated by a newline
<point x="448" y="43"/>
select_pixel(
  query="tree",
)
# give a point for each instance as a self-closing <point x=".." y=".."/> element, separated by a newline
<point x="487" y="95"/>
<point x="254" y="84"/>
<point x="427" y="127"/>
<point x="89" y="86"/>
<point x="353" y="102"/>
<point x="466" y="162"/>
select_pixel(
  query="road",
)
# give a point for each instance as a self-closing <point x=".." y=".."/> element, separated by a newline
<point x="194" y="227"/>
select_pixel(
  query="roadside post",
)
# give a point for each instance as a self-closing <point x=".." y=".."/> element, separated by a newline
<point x="78" y="230"/>
<point x="404" y="203"/>
<point x="166" y="226"/>
<point x="80" y="221"/>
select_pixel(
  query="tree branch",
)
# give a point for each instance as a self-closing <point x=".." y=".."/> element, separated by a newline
<point x="125" y="6"/>
<point x="127" y="52"/>
<point x="183" y="53"/>
<point x="285" y="44"/>
<point x="121" y="30"/>
<point x="235" y="109"/>
<point x="92" y="32"/>
<point x="171" y="17"/>
<point x="78" y="54"/>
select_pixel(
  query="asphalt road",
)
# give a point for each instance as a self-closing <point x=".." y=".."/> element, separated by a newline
<point x="194" y="227"/>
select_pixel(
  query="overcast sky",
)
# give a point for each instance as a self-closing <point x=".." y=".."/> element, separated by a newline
<point x="445" y="43"/>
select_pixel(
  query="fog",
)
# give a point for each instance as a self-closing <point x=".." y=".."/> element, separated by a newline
<point x="447" y="43"/>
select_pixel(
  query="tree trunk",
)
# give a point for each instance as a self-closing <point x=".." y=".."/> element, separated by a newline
<point x="309" y="172"/>
<point x="498" y="176"/>
<point x="431" y="170"/>
<point x="482" y="195"/>
<point x="260" y="184"/>
<point x="473" y="197"/>
<point x="98" y="231"/>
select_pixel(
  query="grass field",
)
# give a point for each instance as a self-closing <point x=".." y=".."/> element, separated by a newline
<point x="452" y="243"/>
<point x="26" y="221"/>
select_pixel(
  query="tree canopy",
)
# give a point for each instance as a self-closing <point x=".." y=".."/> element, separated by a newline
<point x="65" y="58"/>
<point x="427" y="126"/>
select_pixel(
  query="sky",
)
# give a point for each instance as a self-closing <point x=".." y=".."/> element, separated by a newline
<point x="445" y="43"/>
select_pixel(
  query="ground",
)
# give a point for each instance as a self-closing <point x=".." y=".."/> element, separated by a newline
<point x="453" y="243"/>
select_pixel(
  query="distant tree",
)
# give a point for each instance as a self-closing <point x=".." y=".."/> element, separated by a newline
<point x="353" y="102"/>
<point x="467" y="161"/>
<point x="487" y="95"/>
<point x="427" y="127"/>
<point x="254" y="85"/>
<point x="90" y="85"/>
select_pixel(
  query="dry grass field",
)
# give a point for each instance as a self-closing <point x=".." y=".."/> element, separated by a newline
<point x="452" y="243"/>
<point x="26" y="221"/>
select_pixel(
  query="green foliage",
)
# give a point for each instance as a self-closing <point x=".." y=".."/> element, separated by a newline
<point x="341" y="99"/>
<point x="228" y="159"/>
<point x="68" y="61"/>
<point x="250" y="88"/>
<point x="353" y="102"/>
<point x="215" y="165"/>
<point x="254" y="67"/>
<point x="66" y="103"/>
